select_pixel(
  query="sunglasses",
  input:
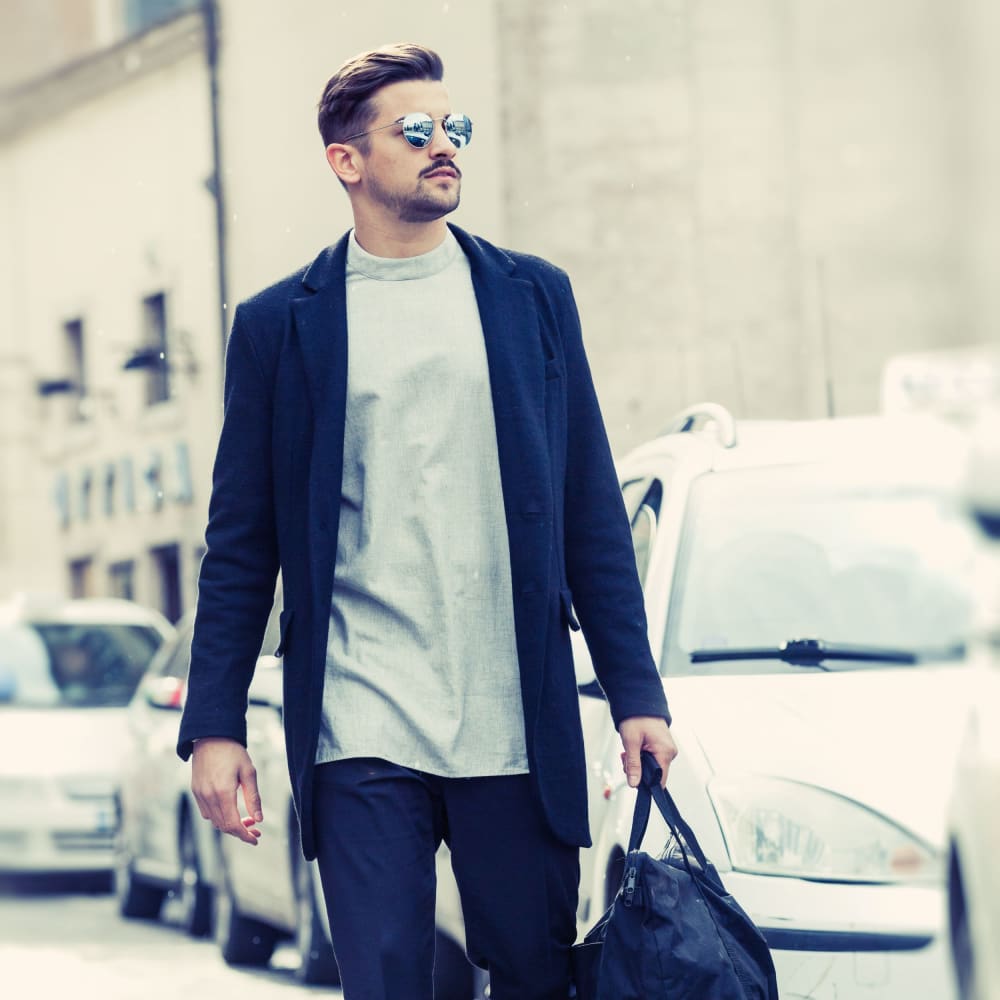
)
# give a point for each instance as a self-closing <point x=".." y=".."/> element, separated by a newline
<point x="418" y="129"/>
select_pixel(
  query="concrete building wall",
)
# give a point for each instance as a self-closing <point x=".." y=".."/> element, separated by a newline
<point x="757" y="201"/>
<point x="106" y="204"/>
<point x="40" y="35"/>
<point x="977" y="116"/>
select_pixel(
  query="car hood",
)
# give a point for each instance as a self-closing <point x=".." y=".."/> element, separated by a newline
<point x="62" y="741"/>
<point x="885" y="738"/>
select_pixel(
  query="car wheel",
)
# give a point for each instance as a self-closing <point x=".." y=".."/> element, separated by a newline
<point x="317" y="964"/>
<point x="194" y="895"/>
<point x="241" y="939"/>
<point x="136" y="899"/>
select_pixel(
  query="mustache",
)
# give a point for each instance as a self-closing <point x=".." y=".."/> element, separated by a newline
<point x="438" y="164"/>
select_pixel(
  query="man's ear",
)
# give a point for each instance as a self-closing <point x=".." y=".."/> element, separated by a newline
<point x="344" y="162"/>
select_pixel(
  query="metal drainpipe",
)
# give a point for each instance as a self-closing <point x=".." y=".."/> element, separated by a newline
<point x="210" y="15"/>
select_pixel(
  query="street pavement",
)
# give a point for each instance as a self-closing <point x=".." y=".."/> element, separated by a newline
<point x="62" y="938"/>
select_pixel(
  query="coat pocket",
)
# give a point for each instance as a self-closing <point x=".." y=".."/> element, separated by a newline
<point x="284" y="626"/>
<point x="553" y="369"/>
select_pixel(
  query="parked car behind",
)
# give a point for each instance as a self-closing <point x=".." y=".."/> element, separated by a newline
<point x="251" y="899"/>
<point x="270" y="893"/>
<point x="67" y="671"/>
<point x="974" y="810"/>
<point x="807" y="590"/>
<point x="974" y="837"/>
<point x="163" y="848"/>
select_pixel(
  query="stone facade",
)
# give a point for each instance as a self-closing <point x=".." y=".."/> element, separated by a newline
<point x="759" y="202"/>
<point x="108" y="249"/>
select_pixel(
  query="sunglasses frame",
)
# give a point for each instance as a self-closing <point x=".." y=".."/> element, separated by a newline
<point x="459" y="141"/>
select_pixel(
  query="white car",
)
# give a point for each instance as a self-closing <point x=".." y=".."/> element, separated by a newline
<point x="170" y="862"/>
<point x="974" y="813"/>
<point x="269" y="893"/>
<point x="807" y="594"/>
<point x="164" y="850"/>
<point x="974" y="837"/>
<point x="67" y="671"/>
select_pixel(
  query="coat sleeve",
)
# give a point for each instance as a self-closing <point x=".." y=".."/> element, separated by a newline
<point x="238" y="573"/>
<point x="600" y="560"/>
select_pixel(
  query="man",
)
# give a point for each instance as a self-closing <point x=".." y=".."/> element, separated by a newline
<point x="412" y="436"/>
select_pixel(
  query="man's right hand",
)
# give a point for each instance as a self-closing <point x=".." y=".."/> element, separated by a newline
<point x="219" y="767"/>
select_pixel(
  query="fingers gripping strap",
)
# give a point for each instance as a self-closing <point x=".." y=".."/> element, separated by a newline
<point x="649" y="791"/>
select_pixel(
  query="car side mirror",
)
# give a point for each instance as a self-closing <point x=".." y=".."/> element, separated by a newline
<point x="164" y="692"/>
<point x="981" y="488"/>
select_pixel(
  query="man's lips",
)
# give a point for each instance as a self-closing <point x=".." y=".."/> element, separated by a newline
<point x="444" y="172"/>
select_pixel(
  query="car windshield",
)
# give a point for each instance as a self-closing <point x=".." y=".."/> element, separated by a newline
<point x="774" y="555"/>
<point x="57" y="664"/>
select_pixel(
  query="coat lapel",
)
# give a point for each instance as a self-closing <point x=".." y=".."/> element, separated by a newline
<point x="509" y="317"/>
<point x="321" y="328"/>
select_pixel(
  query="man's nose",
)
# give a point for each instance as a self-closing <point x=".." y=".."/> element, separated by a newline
<point x="440" y="145"/>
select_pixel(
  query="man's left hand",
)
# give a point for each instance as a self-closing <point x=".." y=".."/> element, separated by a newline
<point x="642" y="732"/>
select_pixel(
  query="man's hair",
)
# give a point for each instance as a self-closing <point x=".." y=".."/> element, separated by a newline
<point x="347" y="106"/>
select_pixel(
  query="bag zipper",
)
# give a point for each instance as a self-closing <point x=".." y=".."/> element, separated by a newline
<point x="628" y="892"/>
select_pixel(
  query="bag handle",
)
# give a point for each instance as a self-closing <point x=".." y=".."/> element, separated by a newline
<point x="650" y="791"/>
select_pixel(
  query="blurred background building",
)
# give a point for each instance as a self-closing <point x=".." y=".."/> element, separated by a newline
<point x="759" y="202"/>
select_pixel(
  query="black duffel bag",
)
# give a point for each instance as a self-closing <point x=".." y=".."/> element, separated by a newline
<point x="672" y="932"/>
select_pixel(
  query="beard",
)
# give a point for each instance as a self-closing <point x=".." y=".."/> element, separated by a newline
<point x="423" y="204"/>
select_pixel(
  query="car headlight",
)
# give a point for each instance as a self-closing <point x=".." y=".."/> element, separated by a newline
<point x="777" y="827"/>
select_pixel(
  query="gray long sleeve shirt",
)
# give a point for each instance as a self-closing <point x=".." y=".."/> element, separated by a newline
<point x="422" y="662"/>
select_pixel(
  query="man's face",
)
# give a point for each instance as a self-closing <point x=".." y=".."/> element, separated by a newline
<point x="412" y="185"/>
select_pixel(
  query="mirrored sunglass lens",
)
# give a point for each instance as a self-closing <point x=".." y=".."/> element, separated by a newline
<point x="418" y="129"/>
<point x="459" y="129"/>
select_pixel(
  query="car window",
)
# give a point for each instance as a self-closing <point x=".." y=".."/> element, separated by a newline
<point x="633" y="490"/>
<point x="771" y="555"/>
<point x="175" y="662"/>
<point x="62" y="664"/>
<point x="178" y="662"/>
<point x="644" y="526"/>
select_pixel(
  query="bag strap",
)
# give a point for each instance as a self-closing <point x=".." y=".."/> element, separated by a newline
<point x="650" y="791"/>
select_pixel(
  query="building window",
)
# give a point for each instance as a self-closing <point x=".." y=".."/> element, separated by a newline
<point x="76" y="371"/>
<point x="86" y="494"/>
<point x="167" y="560"/>
<point x="81" y="578"/>
<point x="121" y="580"/>
<point x="143" y="14"/>
<point x="110" y="478"/>
<point x="154" y="323"/>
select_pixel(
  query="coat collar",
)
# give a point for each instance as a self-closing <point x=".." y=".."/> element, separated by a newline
<point x="485" y="259"/>
<point x="510" y="323"/>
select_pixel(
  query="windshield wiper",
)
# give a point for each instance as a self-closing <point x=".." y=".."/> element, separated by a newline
<point x="814" y="653"/>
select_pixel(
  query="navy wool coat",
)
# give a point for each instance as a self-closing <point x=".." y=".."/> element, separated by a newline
<point x="276" y="503"/>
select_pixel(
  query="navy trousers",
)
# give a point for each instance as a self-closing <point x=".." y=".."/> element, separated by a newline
<point x="378" y="827"/>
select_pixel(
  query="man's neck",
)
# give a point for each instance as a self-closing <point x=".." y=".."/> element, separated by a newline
<point x="399" y="239"/>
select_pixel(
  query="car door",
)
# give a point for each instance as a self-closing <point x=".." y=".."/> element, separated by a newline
<point x="643" y="495"/>
<point x="261" y="877"/>
<point x="267" y="875"/>
<point x="167" y="776"/>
